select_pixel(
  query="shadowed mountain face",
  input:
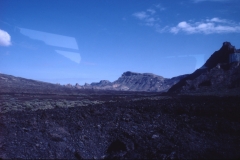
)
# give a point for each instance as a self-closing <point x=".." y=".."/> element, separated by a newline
<point x="219" y="78"/>
<point x="131" y="81"/>
<point x="216" y="73"/>
<point x="221" y="56"/>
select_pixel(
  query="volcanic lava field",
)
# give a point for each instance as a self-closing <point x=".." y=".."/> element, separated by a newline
<point x="122" y="125"/>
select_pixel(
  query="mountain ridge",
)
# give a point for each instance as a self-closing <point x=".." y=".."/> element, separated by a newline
<point x="129" y="81"/>
<point x="217" y="72"/>
<point x="133" y="81"/>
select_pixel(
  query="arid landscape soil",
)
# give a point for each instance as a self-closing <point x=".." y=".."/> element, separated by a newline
<point x="122" y="125"/>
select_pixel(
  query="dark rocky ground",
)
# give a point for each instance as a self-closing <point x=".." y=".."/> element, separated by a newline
<point x="120" y="125"/>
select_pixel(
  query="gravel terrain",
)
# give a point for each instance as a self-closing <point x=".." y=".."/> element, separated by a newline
<point x="101" y="126"/>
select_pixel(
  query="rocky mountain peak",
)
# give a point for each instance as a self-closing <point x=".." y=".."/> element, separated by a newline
<point x="129" y="73"/>
<point x="227" y="46"/>
<point x="78" y="86"/>
<point x="86" y="85"/>
<point x="101" y="83"/>
<point x="220" y="56"/>
<point x="218" y="71"/>
<point x="104" y="82"/>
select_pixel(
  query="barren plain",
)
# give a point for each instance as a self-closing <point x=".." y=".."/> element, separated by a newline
<point x="121" y="125"/>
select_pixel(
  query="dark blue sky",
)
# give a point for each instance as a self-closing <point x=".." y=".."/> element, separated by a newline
<point x="78" y="41"/>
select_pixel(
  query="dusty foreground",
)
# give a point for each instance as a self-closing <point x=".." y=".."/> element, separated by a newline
<point x="119" y="126"/>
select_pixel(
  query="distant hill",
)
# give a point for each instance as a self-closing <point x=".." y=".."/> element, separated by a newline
<point x="129" y="81"/>
<point x="218" y="73"/>
<point x="132" y="81"/>
<point x="12" y="84"/>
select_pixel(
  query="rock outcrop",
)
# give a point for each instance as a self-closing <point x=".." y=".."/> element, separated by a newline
<point x="216" y="79"/>
<point x="221" y="56"/>
<point x="216" y="73"/>
<point x="78" y="86"/>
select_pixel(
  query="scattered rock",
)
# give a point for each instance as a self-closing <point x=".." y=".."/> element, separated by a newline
<point x="155" y="136"/>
